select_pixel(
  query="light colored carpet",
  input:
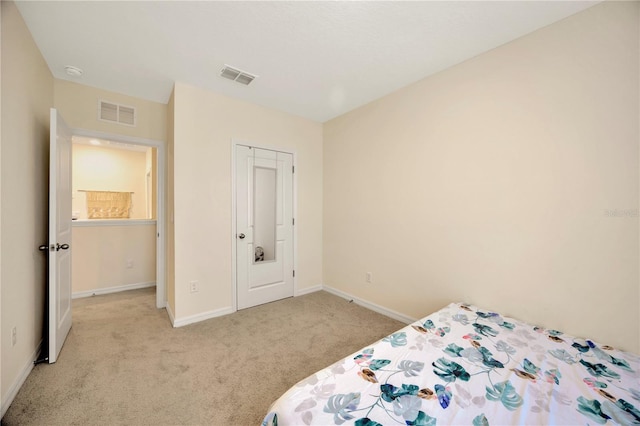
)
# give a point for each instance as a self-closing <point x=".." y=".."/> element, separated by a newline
<point x="123" y="363"/>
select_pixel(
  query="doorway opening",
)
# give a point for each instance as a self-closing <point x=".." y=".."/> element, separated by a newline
<point x="117" y="211"/>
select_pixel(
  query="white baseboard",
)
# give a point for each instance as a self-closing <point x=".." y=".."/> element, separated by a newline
<point x="180" y="322"/>
<point x="370" y="305"/>
<point x="229" y="310"/>
<point x="108" y="290"/>
<point x="222" y="311"/>
<point x="308" y="290"/>
<point x="15" y="387"/>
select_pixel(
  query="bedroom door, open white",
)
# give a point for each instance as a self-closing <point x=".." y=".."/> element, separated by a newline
<point x="264" y="225"/>
<point x="59" y="235"/>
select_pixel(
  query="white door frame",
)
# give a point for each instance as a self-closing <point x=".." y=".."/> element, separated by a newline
<point x="234" y="240"/>
<point x="161" y="285"/>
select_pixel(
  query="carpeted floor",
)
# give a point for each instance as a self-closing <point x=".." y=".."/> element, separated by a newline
<point x="123" y="363"/>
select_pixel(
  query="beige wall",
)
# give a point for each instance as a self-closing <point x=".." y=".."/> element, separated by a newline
<point x="98" y="168"/>
<point x="78" y="104"/>
<point x="112" y="256"/>
<point x="493" y="182"/>
<point x="27" y="95"/>
<point x="205" y="123"/>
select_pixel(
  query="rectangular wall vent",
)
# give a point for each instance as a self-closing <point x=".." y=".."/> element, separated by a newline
<point x="237" y="75"/>
<point x="116" y="113"/>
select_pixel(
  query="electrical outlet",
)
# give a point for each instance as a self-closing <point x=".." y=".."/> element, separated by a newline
<point x="194" y="286"/>
<point x="129" y="263"/>
<point x="14" y="336"/>
<point x="368" y="277"/>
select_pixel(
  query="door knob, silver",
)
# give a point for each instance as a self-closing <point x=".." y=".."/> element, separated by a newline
<point x="62" y="247"/>
<point x="241" y="236"/>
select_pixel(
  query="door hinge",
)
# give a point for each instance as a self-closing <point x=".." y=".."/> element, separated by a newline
<point x="294" y="273"/>
<point x="293" y="221"/>
<point x="293" y="169"/>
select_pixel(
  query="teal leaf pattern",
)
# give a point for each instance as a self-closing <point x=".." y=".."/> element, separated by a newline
<point x="366" y="422"/>
<point x="485" y="330"/>
<point x="488" y="360"/>
<point x="594" y="383"/>
<point x="340" y="404"/>
<point x="389" y="393"/>
<point x="496" y="369"/>
<point x="364" y="357"/>
<point x="592" y="409"/>
<point x="449" y="371"/>
<point x="441" y="331"/>
<point x="422" y="420"/>
<point x="629" y="408"/>
<point x="530" y="367"/>
<point x="480" y="420"/>
<point x="428" y="324"/>
<point x="486" y="315"/>
<point x="622" y="364"/>
<point x="377" y="364"/>
<point x="508" y="325"/>
<point x="270" y="419"/>
<point x="599" y="370"/>
<point x="453" y="350"/>
<point x="396" y="339"/>
<point x="444" y="395"/>
<point x="553" y="375"/>
<point x="410" y="389"/>
<point x="580" y="347"/>
<point x="505" y="393"/>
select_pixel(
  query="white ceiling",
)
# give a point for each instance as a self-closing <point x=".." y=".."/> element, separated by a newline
<point x="314" y="59"/>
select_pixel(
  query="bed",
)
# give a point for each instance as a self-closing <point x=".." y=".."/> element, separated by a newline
<point x="465" y="365"/>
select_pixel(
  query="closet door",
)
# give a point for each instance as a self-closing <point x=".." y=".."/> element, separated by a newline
<point x="264" y="225"/>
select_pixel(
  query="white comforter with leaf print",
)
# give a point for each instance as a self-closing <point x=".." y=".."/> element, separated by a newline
<point x="464" y="365"/>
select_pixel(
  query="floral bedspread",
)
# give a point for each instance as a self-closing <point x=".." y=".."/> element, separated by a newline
<point x="464" y="365"/>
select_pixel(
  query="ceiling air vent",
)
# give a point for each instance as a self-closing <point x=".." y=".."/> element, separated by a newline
<point x="237" y="75"/>
<point x="116" y="113"/>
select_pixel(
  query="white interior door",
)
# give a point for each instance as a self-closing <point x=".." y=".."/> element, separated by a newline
<point x="59" y="235"/>
<point x="264" y="225"/>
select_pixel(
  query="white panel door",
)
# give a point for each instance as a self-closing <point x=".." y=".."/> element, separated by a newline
<point x="264" y="225"/>
<point x="59" y="235"/>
